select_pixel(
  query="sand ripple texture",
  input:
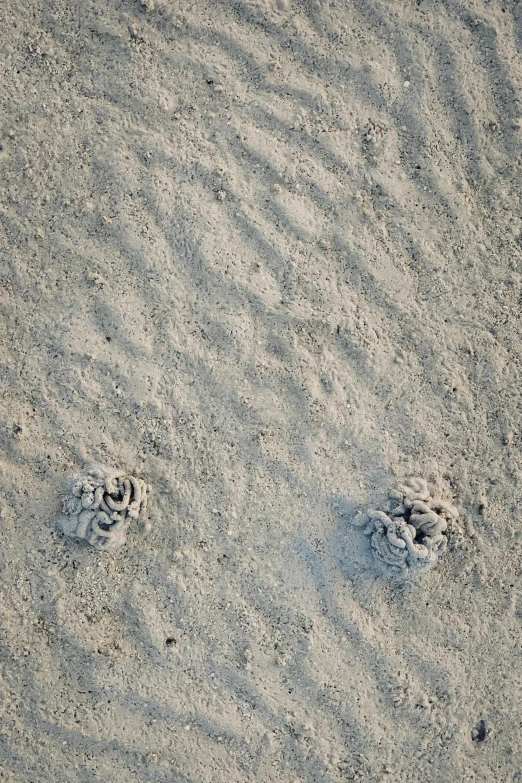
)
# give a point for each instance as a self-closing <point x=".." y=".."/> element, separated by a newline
<point x="268" y="255"/>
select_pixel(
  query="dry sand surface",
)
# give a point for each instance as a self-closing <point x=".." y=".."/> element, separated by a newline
<point x="267" y="256"/>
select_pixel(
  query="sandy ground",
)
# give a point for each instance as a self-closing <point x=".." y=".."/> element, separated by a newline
<point x="268" y="256"/>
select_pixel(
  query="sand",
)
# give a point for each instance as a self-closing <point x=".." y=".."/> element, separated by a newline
<point x="267" y="256"/>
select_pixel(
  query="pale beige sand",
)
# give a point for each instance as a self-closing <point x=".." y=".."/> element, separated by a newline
<point x="266" y="255"/>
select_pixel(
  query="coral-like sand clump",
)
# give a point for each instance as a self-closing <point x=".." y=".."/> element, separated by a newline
<point x="412" y="532"/>
<point x="100" y="505"/>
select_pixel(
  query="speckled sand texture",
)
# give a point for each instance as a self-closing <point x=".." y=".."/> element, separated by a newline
<point x="266" y="255"/>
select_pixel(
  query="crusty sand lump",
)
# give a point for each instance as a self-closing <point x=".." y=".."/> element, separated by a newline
<point x="100" y="505"/>
<point x="412" y="532"/>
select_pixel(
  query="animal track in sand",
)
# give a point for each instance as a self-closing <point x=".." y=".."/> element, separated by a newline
<point x="100" y="504"/>
<point x="410" y="534"/>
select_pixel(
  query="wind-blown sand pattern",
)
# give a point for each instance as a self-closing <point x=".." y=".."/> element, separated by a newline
<point x="268" y="255"/>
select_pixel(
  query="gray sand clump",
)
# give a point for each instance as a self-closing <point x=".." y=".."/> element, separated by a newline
<point x="100" y="504"/>
<point x="410" y="534"/>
